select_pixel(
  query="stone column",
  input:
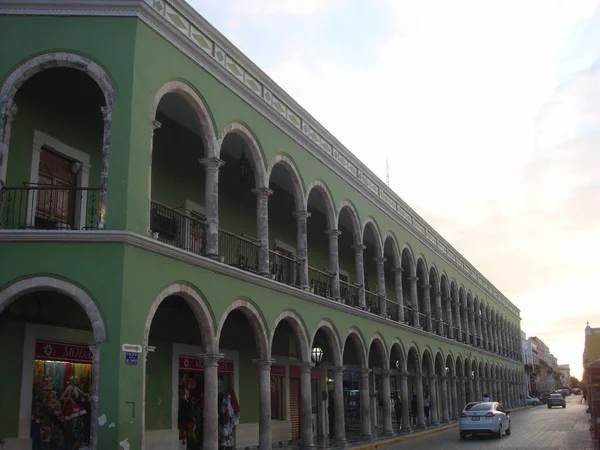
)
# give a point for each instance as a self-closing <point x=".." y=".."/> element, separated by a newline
<point x="427" y="312"/>
<point x="334" y="262"/>
<point x="414" y="301"/>
<point x="473" y="325"/>
<point x="379" y="264"/>
<point x="339" y="427"/>
<point x="399" y="294"/>
<point x="445" y="400"/>
<point x="438" y="312"/>
<point x="479" y="330"/>
<point x="262" y="227"/>
<point x="107" y="116"/>
<point x="7" y="115"/>
<point x="405" y="403"/>
<point x="211" y="205"/>
<point x="365" y="405"/>
<point x="457" y="319"/>
<point x="264" y="404"/>
<point x="155" y="126"/>
<point x="302" y="244"/>
<point x="454" y="394"/>
<point x="420" y="408"/>
<point x="211" y="401"/>
<point x="306" y="433"/>
<point x="465" y="322"/>
<point x="388" y="429"/>
<point x="478" y="393"/>
<point x="95" y="374"/>
<point x="433" y="402"/>
<point x="448" y="301"/>
<point x="471" y="389"/>
<point x="360" y="274"/>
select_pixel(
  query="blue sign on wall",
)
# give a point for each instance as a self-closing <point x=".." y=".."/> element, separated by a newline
<point x="131" y="358"/>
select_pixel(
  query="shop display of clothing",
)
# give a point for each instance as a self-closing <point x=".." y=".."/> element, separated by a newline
<point x="226" y="419"/>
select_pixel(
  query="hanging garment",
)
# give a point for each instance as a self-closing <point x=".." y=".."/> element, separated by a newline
<point x="226" y="422"/>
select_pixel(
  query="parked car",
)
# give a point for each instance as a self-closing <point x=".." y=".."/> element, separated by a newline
<point x="576" y="391"/>
<point x="484" y="418"/>
<point x="556" y="400"/>
<point x="533" y="401"/>
<point x="544" y="397"/>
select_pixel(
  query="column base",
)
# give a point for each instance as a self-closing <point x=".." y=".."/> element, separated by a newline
<point x="213" y="256"/>
<point x="406" y="430"/>
<point x="366" y="437"/>
<point x="307" y="447"/>
<point x="421" y="427"/>
<point x="388" y="433"/>
<point x="444" y="421"/>
<point x="340" y="442"/>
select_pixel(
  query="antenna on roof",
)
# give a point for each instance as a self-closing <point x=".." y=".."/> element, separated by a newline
<point x="387" y="172"/>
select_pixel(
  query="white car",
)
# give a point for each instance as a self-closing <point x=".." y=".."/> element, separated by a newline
<point x="533" y="401"/>
<point x="484" y="418"/>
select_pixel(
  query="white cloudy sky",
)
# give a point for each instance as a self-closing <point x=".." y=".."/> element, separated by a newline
<point x="489" y="114"/>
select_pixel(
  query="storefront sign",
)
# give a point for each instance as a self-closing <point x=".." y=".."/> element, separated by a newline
<point x="63" y="351"/>
<point x="278" y="371"/>
<point x="315" y="373"/>
<point x="197" y="365"/>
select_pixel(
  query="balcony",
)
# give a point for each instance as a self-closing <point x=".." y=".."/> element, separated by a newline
<point x="49" y="207"/>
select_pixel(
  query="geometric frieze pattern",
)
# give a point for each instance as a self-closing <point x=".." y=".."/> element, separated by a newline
<point x="343" y="157"/>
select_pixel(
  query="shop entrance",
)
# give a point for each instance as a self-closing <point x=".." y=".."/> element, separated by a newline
<point x="61" y="402"/>
<point x="191" y="405"/>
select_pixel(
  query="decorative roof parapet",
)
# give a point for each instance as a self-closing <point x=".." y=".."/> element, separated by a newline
<point x="204" y="36"/>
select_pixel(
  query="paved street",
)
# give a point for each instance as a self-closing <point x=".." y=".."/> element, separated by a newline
<point x="532" y="428"/>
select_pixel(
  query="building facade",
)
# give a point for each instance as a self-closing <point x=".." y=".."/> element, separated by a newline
<point x="564" y="371"/>
<point x="188" y="257"/>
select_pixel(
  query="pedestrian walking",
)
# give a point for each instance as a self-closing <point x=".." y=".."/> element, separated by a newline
<point x="413" y="409"/>
<point x="426" y="406"/>
<point x="398" y="410"/>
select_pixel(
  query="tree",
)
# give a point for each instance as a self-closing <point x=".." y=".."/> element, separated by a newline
<point x="574" y="382"/>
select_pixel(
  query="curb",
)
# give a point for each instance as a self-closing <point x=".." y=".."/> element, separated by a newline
<point x="414" y="435"/>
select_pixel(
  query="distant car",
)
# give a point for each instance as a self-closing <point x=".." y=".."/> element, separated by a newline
<point x="533" y="401"/>
<point x="484" y="418"/>
<point x="556" y="400"/>
<point x="576" y="391"/>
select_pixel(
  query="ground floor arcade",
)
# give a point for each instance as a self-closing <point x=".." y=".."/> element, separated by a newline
<point x="225" y="383"/>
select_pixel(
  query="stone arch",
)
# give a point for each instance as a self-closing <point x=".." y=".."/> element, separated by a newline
<point x="395" y="248"/>
<point x="435" y="280"/>
<point x="371" y="223"/>
<point x="333" y="337"/>
<point x="422" y="264"/>
<point x="47" y="283"/>
<point x="299" y="330"/>
<point x="257" y="158"/>
<point x="197" y="304"/>
<point x="359" y="342"/>
<point x="427" y="356"/>
<point x="321" y="186"/>
<point x="17" y="289"/>
<point x="347" y="204"/>
<point x="52" y="60"/>
<point x="396" y="347"/>
<point x="255" y="319"/>
<point x="198" y="105"/>
<point x="297" y="184"/>
<point x="379" y="342"/>
<point x="410" y="256"/>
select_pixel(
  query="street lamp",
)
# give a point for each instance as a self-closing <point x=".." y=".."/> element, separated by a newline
<point x="317" y="355"/>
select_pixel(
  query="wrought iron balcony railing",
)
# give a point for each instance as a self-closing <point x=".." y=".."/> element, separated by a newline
<point x="49" y="207"/>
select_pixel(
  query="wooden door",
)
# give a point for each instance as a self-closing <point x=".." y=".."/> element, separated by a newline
<point x="55" y="206"/>
<point x="295" y="408"/>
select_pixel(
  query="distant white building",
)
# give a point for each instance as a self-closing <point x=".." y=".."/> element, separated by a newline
<point x="565" y="374"/>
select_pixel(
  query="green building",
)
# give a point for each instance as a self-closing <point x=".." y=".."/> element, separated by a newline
<point x="187" y="257"/>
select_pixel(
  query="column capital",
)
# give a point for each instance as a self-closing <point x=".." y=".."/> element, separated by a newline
<point x="403" y="375"/>
<point x="433" y="377"/>
<point x="425" y="286"/>
<point x="156" y="125"/>
<point x="106" y="113"/>
<point x="262" y="192"/>
<point x="413" y="279"/>
<point x="398" y="270"/>
<point x="379" y="260"/>
<point x="386" y="373"/>
<point x="437" y="293"/>
<point x="211" y="359"/>
<point x="9" y="109"/>
<point x="301" y="215"/>
<point x="333" y="233"/>
<point x="338" y="369"/>
<point x="443" y="377"/>
<point x="212" y="163"/>
<point x="264" y="363"/>
<point x="358" y="247"/>
<point x="364" y="372"/>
